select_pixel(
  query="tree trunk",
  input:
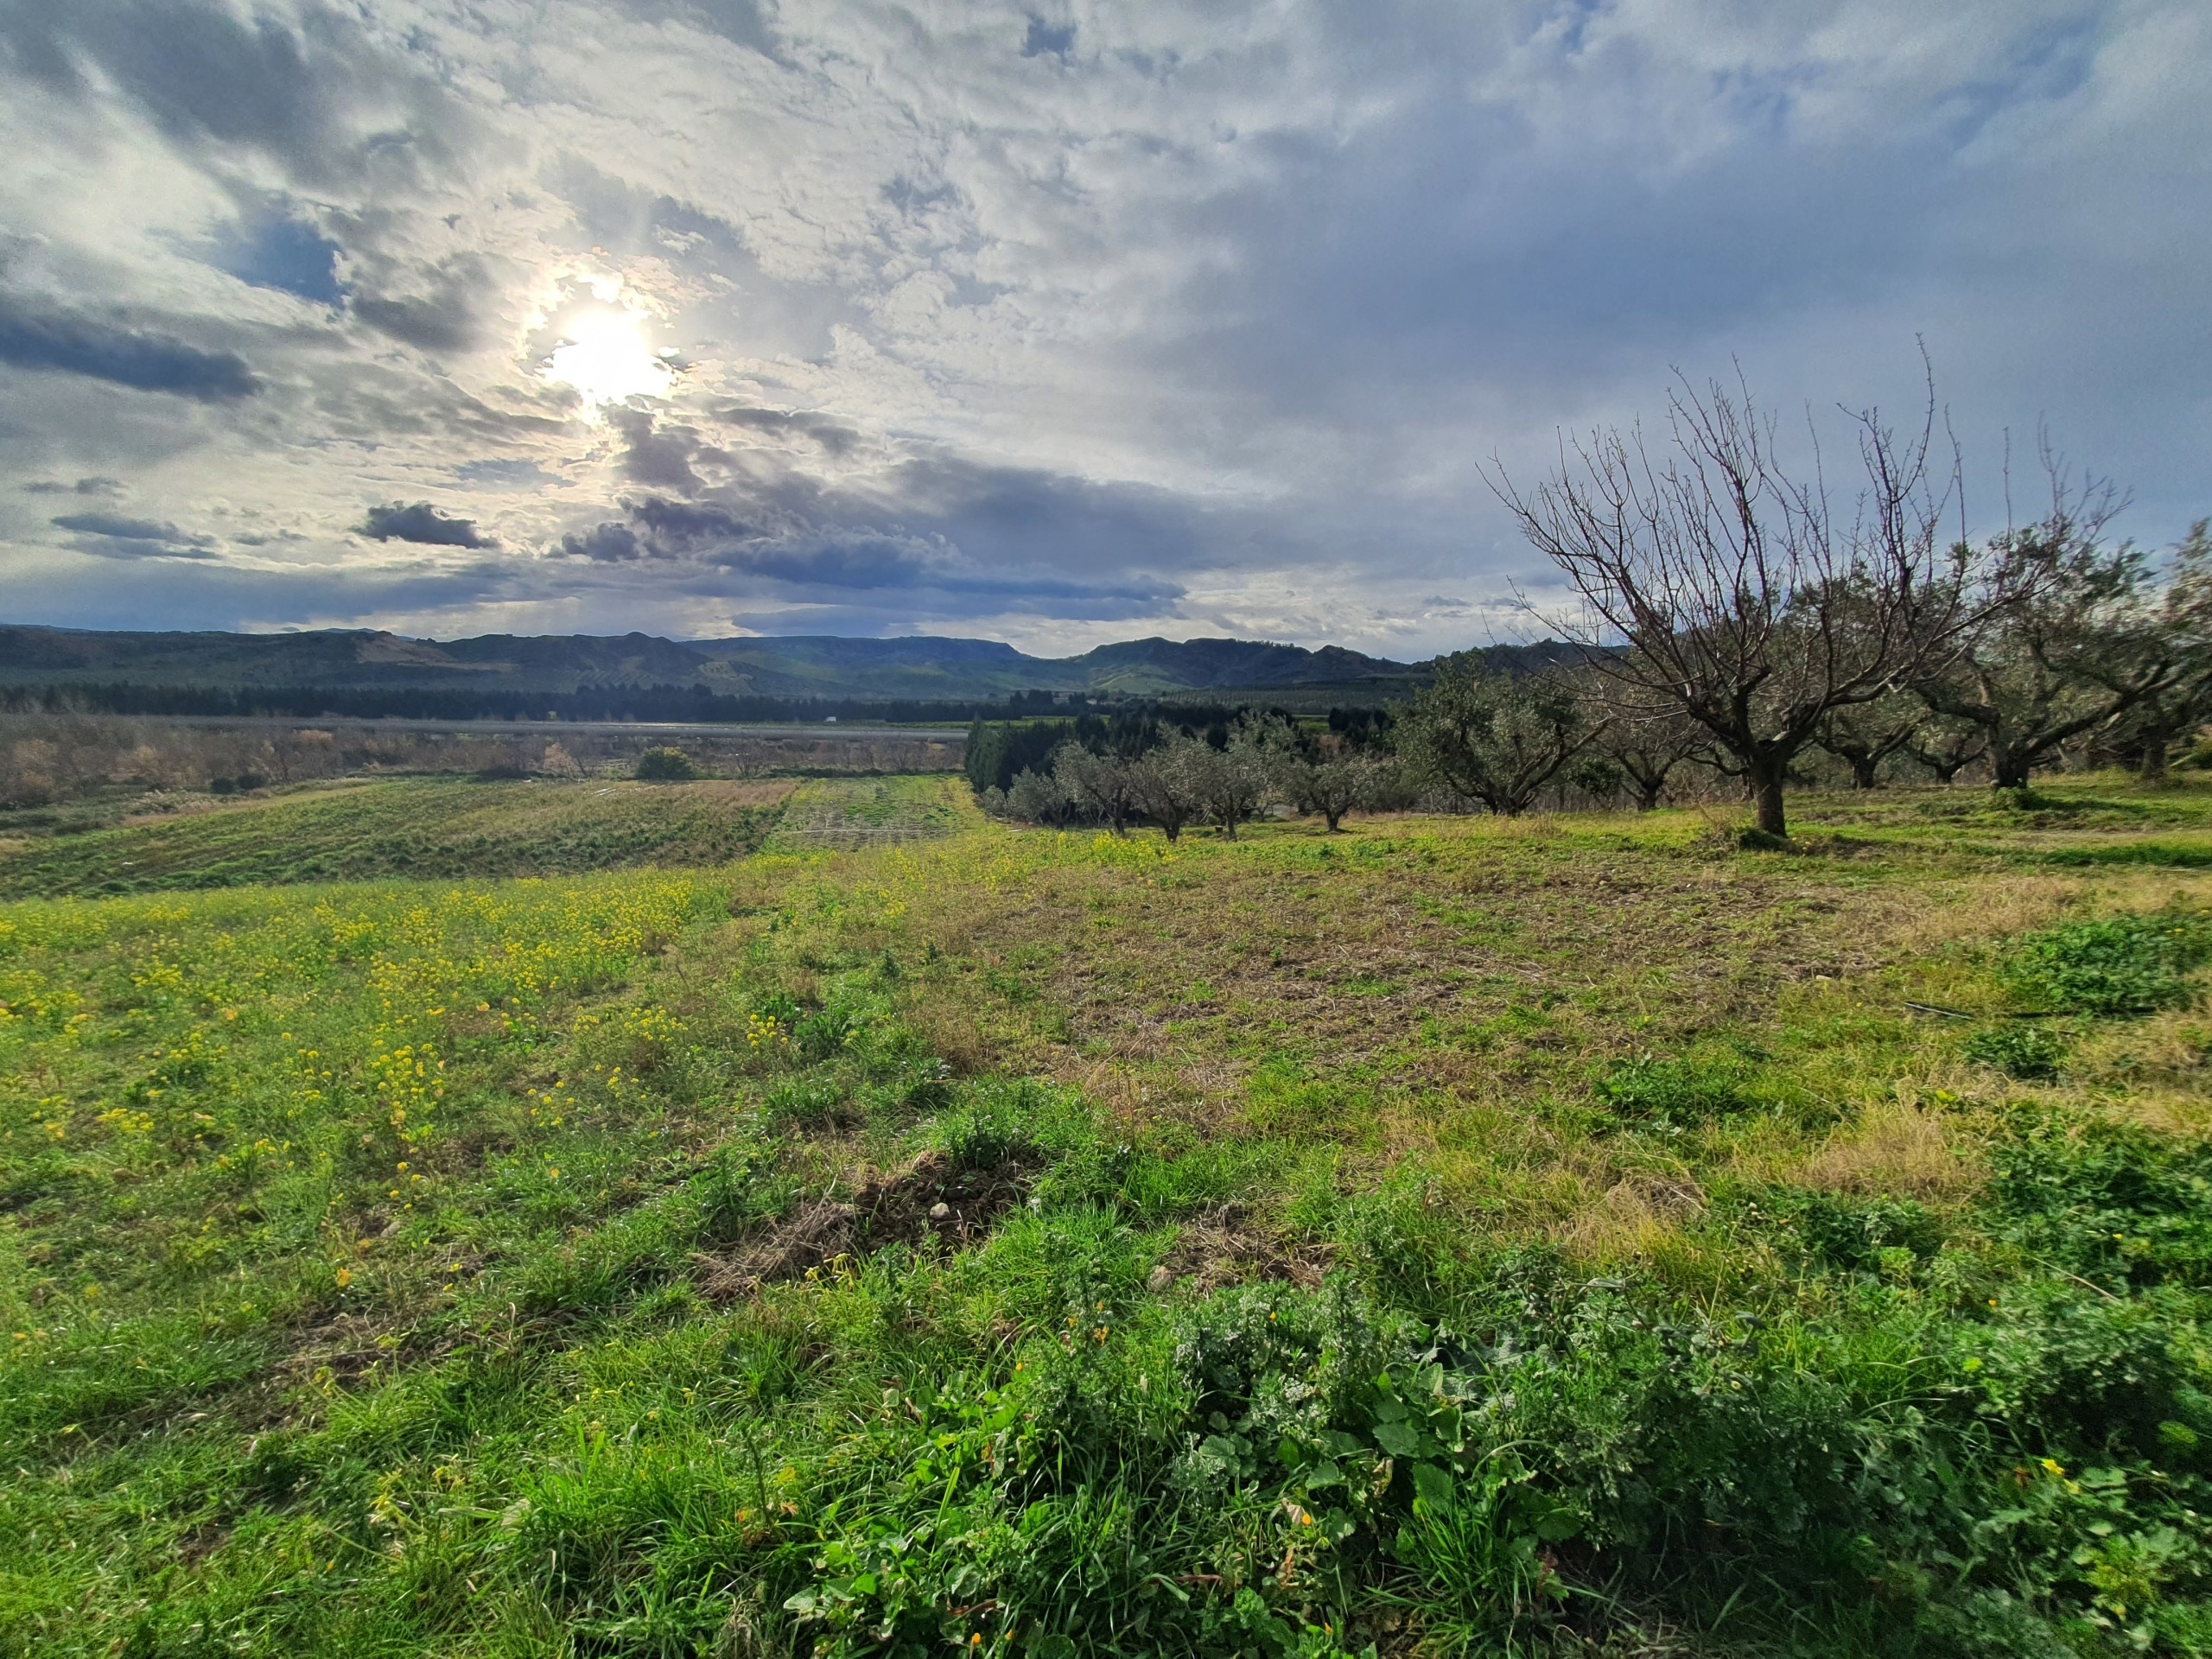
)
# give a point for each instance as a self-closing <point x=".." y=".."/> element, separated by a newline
<point x="1647" y="796"/>
<point x="1331" y="818"/>
<point x="1862" y="771"/>
<point x="2011" y="767"/>
<point x="1764" y="778"/>
<point x="2154" y="759"/>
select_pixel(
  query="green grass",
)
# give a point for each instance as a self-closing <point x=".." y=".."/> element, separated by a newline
<point x="433" y="829"/>
<point x="1450" y="1237"/>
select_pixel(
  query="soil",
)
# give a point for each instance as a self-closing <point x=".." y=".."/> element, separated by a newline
<point x="931" y="1199"/>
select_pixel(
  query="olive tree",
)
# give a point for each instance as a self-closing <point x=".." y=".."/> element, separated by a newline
<point x="1491" y="737"/>
<point x="1648" y="747"/>
<point x="2092" y="639"/>
<point x="1105" y="785"/>
<point x="1164" y="783"/>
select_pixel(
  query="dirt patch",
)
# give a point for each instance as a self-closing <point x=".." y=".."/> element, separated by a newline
<point x="1223" y="1246"/>
<point x="932" y="1199"/>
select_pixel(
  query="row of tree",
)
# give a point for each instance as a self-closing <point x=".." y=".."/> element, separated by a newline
<point x="1222" y="777"/>
<point x="1728" y="601"/>
<point x="1730" y="618"/>
<point x="1730" y="612"/>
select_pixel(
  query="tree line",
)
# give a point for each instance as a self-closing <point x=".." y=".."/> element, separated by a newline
<point x="675" y="704"/>
<point x="1731" y="616"/>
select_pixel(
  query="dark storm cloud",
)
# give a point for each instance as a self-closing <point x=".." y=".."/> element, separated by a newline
<point x="112" y="536"/>
<point x="658" y="457"/>
<point x="33" y="336"/>
<point x="975" y="541"/>
<point x="421" y="523"/>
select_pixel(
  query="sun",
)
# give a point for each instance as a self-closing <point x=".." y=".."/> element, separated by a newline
<point x="604" y="355"/>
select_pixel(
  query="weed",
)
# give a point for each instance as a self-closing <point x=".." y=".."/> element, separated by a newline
<point x="1674" y="1093"/>
<point x="2126" y="965"/>
<point x="2030" y="1052"/>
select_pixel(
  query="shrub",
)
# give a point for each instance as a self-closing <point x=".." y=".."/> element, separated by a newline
<point x="665" y="766"/>
<point x="2033" y="1053"/>
<point x="2129" y="964"/>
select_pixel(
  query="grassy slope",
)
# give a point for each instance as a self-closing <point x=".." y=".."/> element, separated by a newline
<point x="429" y="828"/>
<point x="410" y="1268"/>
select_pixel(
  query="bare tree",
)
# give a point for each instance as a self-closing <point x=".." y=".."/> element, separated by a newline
<point x="2183" y="627"/>
<point x="1947" y="747"/>
<point x="1745" y="601"/>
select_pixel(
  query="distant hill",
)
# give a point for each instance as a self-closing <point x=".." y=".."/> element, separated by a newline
<point x="797" y="667"/>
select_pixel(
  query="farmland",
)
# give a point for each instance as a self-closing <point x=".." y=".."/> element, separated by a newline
<point x="424" y="827"/>
<point x="877" y="1229"/>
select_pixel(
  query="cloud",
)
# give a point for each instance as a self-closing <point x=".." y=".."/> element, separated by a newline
<point x="94" y="486"/>
<point x="443" y="317"/>
<point x="834" y="437"/>
<point x="1047" y="322"/>
<point x="421" y="523"/>
<point x="656" y="457"/>
<point x="109" y="535"/>
<point x="319" y="96"/>
<point x="1047" y="40"/>
<point x="127" y="530"/>
<point x="35" y="338"/>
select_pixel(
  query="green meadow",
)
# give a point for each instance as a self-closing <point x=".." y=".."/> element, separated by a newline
<point x="441" y="1218"/>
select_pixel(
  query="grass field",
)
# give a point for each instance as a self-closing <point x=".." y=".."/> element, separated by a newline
<point x="1563" y="1235"/>
<point x="430" y="827"/>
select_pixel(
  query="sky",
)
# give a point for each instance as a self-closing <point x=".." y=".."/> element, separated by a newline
<point x="1053" y="324"/>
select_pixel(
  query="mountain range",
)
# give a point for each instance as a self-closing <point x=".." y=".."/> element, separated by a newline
<point x="798" y="666"/>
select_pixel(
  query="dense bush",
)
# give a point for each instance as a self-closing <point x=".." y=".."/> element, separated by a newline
<point x="665" y="766"/>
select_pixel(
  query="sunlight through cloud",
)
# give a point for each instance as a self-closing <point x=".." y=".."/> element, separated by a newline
<point x="606" y="357"/>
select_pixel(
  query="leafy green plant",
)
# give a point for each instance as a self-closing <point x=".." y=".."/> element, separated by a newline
<point x="663" y="765"/>
<point x="1856" y="1235"/>
<point x="2124" y="965"/>
<point x="826" y="1032"/>
<point x="1672" y="1092"/>
<point x="2030" y="1052"/>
